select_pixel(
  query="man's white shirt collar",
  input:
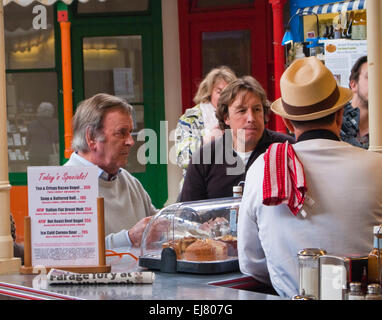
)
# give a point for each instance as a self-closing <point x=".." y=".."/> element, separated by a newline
<point x="101" y="173"/>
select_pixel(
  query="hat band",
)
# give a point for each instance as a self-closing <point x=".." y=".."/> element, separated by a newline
<point x="325" y="104"/>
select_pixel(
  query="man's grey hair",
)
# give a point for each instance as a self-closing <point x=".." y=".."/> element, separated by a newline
<point x="89" y="118"/>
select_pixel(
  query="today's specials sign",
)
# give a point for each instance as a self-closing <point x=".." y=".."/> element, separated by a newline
<point x="62" y="203"/>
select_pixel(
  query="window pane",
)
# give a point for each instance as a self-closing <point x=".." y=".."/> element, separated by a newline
<point x="220" y="3"/>
<point x="114" y="65"/>
<point x="32" y="121"/>
<point x="28" y="43"/>
<point x="230" y="48"/>
<point x="96" y="6"/>
<point x="134" y="163"/>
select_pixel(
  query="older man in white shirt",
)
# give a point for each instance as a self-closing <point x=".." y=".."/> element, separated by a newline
<point x="102" y="127"/>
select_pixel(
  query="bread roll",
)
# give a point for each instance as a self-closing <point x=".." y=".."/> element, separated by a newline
<point x="206" y="250"/>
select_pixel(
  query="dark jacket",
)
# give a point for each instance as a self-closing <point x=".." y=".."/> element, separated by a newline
<point x="215" y="168"/>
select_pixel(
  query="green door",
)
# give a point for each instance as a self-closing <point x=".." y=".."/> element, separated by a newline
<point x="123" y="57"/>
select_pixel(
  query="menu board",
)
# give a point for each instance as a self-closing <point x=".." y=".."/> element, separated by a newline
<point x="62" y="204"/>
<point x="340" y="56"/>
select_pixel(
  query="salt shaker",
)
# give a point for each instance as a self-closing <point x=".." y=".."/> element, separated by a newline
<point x="373" y="292"/>
<point x="355" y="291"/>
<point x="308" y="269"/>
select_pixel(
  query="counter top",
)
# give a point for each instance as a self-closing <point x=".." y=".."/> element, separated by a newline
<point x="167" y="286"/>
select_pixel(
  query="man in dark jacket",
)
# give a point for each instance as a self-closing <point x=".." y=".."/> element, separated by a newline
<point x="222" y="164"/>
<point x="355" y="125"/>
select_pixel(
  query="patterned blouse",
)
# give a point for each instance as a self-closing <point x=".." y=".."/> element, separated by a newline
<point x="188" y="136"/>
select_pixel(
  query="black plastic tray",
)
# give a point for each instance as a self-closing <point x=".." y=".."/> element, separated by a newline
<point x="168" y="263"/>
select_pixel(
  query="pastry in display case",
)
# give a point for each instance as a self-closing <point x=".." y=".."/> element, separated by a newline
<point x="194" y="237"/>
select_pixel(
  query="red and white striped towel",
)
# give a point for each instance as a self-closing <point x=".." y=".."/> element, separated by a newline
<point x="284" y="178"/>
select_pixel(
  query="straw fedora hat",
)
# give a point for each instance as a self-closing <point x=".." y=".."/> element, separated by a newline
<point x="309" y="91"/>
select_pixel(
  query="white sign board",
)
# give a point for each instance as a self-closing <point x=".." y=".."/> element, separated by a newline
<point x="340" y="56"/>
<point x="62" y="204"/>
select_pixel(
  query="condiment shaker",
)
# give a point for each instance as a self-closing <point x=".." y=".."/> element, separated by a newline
<point x="355" y="291"/>
<point x="308" y="261"/>
<point x="373" y="292"/>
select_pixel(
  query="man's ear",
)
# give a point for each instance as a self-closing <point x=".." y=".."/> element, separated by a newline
<point x="90" y="141"/>
<point x="353" y="85"/>
<point x="226" y="120"/>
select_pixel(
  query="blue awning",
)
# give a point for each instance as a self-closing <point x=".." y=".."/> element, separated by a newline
<point x="335" y="7"/>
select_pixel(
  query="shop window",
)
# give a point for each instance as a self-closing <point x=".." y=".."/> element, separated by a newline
<point x="112" y="6"/>
<point x="114" y="65"/>
<point x="214" y="51"/>
<point x="213" y="4"/>
<point x="32" y="124"/>
<point x="31" y="86"/>
<point x="29" y="38"/>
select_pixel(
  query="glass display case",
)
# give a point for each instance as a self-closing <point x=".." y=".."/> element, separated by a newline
<point x="194" y="237"/>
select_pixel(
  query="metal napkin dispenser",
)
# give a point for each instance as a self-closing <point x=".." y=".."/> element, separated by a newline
<point x="336" y="272"/>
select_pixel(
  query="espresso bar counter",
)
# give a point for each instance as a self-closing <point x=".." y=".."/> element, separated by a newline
<point x="167" y="286"/>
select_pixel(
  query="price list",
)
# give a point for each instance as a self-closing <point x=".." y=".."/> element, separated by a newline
<point x="62" y="204"/>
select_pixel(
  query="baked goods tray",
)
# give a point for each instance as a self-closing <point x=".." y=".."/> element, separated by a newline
<point x="167" y="262"/>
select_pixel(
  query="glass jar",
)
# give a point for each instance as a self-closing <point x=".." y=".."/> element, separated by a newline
<point x="359" y="26"/>
<point x="362" y="26"/>
<point x="308" y="261"/>
<point x="374" y="263"/>
<point x="355" y="35"/>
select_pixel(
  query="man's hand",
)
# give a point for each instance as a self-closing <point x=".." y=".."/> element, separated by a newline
<point x="136" y="232"/>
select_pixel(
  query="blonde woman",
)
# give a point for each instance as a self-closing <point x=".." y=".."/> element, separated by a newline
<point x="199" y="125"/>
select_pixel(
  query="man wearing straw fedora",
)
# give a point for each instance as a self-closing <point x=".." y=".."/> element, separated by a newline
<point x="319" y="193"/>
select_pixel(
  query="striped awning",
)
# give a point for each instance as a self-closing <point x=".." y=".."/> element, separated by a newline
<point x="335" y="7"/>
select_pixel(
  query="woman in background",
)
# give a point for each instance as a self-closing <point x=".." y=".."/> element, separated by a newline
<point x="198" y="125"/>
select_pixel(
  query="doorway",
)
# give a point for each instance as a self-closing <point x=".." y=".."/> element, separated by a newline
<point x="235" y="33"/>
<point x="122" y="56"/>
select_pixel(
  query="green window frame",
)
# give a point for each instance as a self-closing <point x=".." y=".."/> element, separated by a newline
<point x="148" y="24"/>
<point x="20" y="178"/>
